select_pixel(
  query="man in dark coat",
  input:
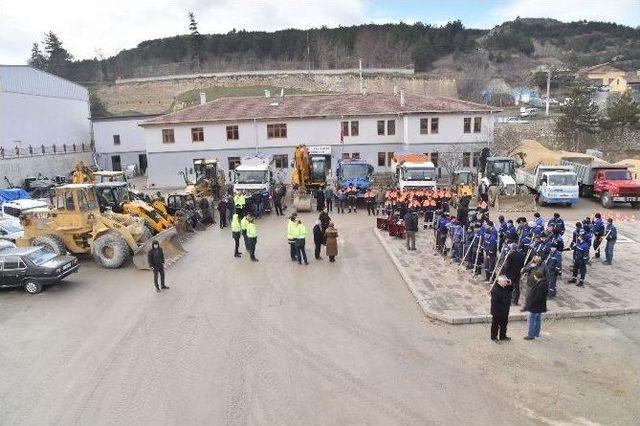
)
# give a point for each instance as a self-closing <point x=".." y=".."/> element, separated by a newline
<point x="318" y="239"/>
<point x="320" y="200"/>
<point x="410" y="228"/>
<point x="156" y="263"/>
<point x="500" y="304"/>
<point x="513" y="263"/>
<point x="222" y="211"/>
<point x="536" y="303"/>
<point x="277" y="201"/>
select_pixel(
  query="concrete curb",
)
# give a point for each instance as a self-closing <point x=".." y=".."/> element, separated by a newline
<point x="476" y="319"/>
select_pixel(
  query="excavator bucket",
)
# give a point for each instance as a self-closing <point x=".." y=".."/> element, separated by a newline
<point x="170" y="244"/>
<point x="302" y="202"/>
<point x="516" y="203"/>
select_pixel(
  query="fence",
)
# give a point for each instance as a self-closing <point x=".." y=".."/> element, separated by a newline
<point x="39" y="150"/>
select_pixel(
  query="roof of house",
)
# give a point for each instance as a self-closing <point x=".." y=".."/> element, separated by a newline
<point x="606" y="67"/>
<point x="27" y="80"/>
<point x="322" y="105"/>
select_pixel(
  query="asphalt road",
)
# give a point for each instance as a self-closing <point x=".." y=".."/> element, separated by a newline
<point x="235" y="342"/>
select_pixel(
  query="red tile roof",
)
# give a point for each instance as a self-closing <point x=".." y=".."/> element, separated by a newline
<point x="324" y="105"/>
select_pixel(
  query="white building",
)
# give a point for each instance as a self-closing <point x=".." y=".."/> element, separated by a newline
<point x="120" y="141"/>
<point x="38" y="108"/>
<point x="370" y="127"/>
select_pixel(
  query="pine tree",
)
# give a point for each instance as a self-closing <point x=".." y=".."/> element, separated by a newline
<point x="37" y="60"/>
<point x="625" y="112"/>
<point x="579" y="118"/>
<point x="195" y="40"/>
<point x="58" y="57"/>
<point x="423" y="55"/>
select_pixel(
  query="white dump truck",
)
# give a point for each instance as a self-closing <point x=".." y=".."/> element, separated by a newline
<point x="254" y="174"/>
<point x="413" y="171"/>
<point x="551" y="184"/>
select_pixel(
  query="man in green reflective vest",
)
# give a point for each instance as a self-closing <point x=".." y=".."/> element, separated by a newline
<point x="301" y="234"/>
<point x="252" y="236"/>
<point x="236" y="232"/>
<point x="291" y="236"/>
<point x="239" y="201"/>
<point x="243" y="230"/>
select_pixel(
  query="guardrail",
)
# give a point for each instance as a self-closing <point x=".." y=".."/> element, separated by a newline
<point x="40" y="150"/>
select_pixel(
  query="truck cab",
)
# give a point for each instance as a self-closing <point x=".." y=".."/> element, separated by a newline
<point x="616" y="185"/>
<point x="253" y="174"/>
<point x="413" y="171"/>
<point x="354" y="172"/>
<point x="558" y="187"/>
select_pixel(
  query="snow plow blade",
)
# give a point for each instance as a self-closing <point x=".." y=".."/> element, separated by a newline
<point x="516" y="203"/>
<point x="170" y="244"/>
<point x="302" y="203"/>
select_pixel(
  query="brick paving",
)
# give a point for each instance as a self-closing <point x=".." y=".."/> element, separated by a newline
<point x="448" y="292"/>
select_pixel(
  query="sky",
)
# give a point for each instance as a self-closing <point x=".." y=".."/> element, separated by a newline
<point x="101" y="28"/>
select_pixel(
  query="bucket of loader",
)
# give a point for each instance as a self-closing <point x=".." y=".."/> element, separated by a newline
<point x="170" y="244"/>
<point x="516" y="203"/>
<point x="302" y="202"/>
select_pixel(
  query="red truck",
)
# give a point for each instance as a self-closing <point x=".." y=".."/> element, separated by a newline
<point x="612" y="184"/>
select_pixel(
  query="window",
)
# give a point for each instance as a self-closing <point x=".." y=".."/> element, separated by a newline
<point x="380" y="127"/>
<point x="12" y="263"/>
<point x="466" y="159"/>
<point x="345" y="128"/>
<point x="355" y="128"/>
<point x="476" y="158"/>
<point x="346" y="155"/>
<point x="467" y="125"/>
<point x="424" y="126"/>
<point x="116" y="139"/>
<point x="434" y="158"/>
<point x="355" y="156"/>
<point x="281" y="161"/>
<point x="168" y="136"/>
<point x="278" y="130"/>
<point x="435" y="123"/>
<point x="382" y="159"/>
<point x="477" y="124"/>
<point x="197" y="134"/>
<point x="232" y="133"/>
<point x="233" y="162"/>
<point x="391" y="127"/>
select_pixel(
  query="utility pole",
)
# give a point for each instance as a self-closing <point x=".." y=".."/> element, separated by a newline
<point x="546" y="111"/>
<point x="360" y="72"/>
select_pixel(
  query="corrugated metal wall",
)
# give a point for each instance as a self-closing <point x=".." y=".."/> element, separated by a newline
<point x="26" y="80"/>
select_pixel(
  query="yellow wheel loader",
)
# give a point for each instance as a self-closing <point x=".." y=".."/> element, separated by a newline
<point x="76" y="224"/>
<point x="462" y="186"/>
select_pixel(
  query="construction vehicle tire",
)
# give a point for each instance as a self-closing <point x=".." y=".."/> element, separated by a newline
<point x="110" y="250"/>
<point x="50" y="243"/>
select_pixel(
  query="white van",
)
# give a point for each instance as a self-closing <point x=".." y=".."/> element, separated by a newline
<point x="13" y="209"/>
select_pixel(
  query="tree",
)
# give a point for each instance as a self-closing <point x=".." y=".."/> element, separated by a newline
<point x="625" y="112"/>
<point x="195" y="40"/>
<point x="423" y="55"/>
<point x="37" y="60"/>
<point x="579" y="118"/>
<point x="58" y="58"/>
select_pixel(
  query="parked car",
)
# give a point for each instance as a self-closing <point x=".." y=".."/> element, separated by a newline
<point x="10" y="229"/>
<point x="32" y="268"/>
<point x="528" y="112"/>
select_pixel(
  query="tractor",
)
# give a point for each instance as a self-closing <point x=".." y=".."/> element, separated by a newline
<point x="497" y="185"/>
<point x="76" y="224"/>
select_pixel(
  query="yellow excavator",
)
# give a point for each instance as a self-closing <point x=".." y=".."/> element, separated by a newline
<point x="300" y="179"/>
<point x="82" y="174"/>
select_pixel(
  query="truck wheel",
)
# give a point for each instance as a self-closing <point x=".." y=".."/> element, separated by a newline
<point x="606" y="200"/>
<point x="110" y="250"/>
<point x="50" y="243"/>
<point x="32" y="287"/>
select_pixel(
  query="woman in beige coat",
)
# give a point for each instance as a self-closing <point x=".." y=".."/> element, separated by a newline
<point x="331" y="235"/>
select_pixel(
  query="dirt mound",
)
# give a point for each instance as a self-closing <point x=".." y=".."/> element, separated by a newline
<point x="536" y="153"/>
<point x="633" y="164"/>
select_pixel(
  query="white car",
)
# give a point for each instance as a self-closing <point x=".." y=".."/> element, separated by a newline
<point x="10" y="230"/>
<point x="528" y="112"/>
<point x="13" y="209"/>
